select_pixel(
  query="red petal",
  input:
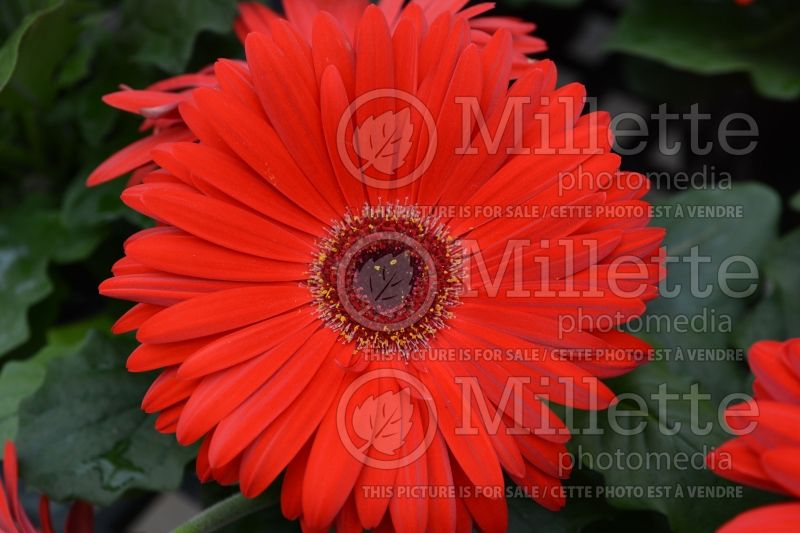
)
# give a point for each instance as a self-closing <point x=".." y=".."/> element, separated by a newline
<point x="486" y="503"/>
<point x="44" y="515"/>
<point x="135" y="317"/>
<point x="292" y="486"/>
<point x="221" y="311"/>
<point x="736" y="461"/>
<point x="254" y="17"/>
<point x="410" y="512"/>
<point x="783" y="466"/>
<point x="167" y="420"/>
<point x="148" y="357"/>
<point x="544" y="489"/>
<point x="779" y="518"/>
<point x="145" y="103"/>
<point x="220" y="223"/>
<point x="80" y="518"/>
<point x="219" y="394"/>
<point x="162" y="289"/>
<point x="766" y="361"/>
<point x="332" y="47"/>
<point x="334" y="105"/>
<point x="257" y="143"/>
<point x="136" y="155"/>
<point x="235" y="179"/>
<point x="245" y="343"/>
<point x="239" y="429"/>
<point x="442" y="515"/>
<point x="282" y="440"/>
<point x="294" y="113"/>
<point x="331" y="473"/>
<point x="167" y="390"/>
<point x="180" y="253"/>
<point x="473" y="452"/>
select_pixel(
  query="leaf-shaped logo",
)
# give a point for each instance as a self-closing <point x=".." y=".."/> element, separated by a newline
<point x="385" y="283"/>
<point x="384" y="422"/>
<point x="384" y="142"/>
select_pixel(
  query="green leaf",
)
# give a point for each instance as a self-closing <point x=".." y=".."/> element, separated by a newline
<point x="96" y="29"/>
<point x="167" y="31"/>
<point x="41" y="55"/>
<point x="653" y="469"/>
<point x="795" y="202"/>
<point x="586" y="508"/>
<point x="718" y="37"/>
<point x="89" y="208"/>
<point x="83" y="436"/>
<point x="9" y="52"/>
<point x="777" y="315"/>
<point x="740" y="229"/>
<point x="30" y="240"/>
<point x="577" y="514"/>
<point x="765" y="321"/>
<point x="783" y="269"/>
<point x="23" y="282"/>
<point x="20" y="379"/>
<point x="659" y="82"/>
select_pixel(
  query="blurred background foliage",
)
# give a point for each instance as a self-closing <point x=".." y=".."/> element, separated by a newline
<point x="62" y="377"/>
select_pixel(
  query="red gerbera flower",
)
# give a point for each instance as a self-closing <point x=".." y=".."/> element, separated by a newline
<point x="158" y="103"/>
<point x="315" y="294"/>
<point x="12" y="516"/>
<point x="767" y="455"/>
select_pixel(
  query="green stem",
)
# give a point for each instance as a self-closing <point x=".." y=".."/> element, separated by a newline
<point x="224" y="513"/>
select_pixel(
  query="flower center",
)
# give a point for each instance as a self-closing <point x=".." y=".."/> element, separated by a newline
<point x="387" y="279"/>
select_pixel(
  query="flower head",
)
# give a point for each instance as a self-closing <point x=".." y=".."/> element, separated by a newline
<point x="766" y="454"/>
<point x="333" y="290"/>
